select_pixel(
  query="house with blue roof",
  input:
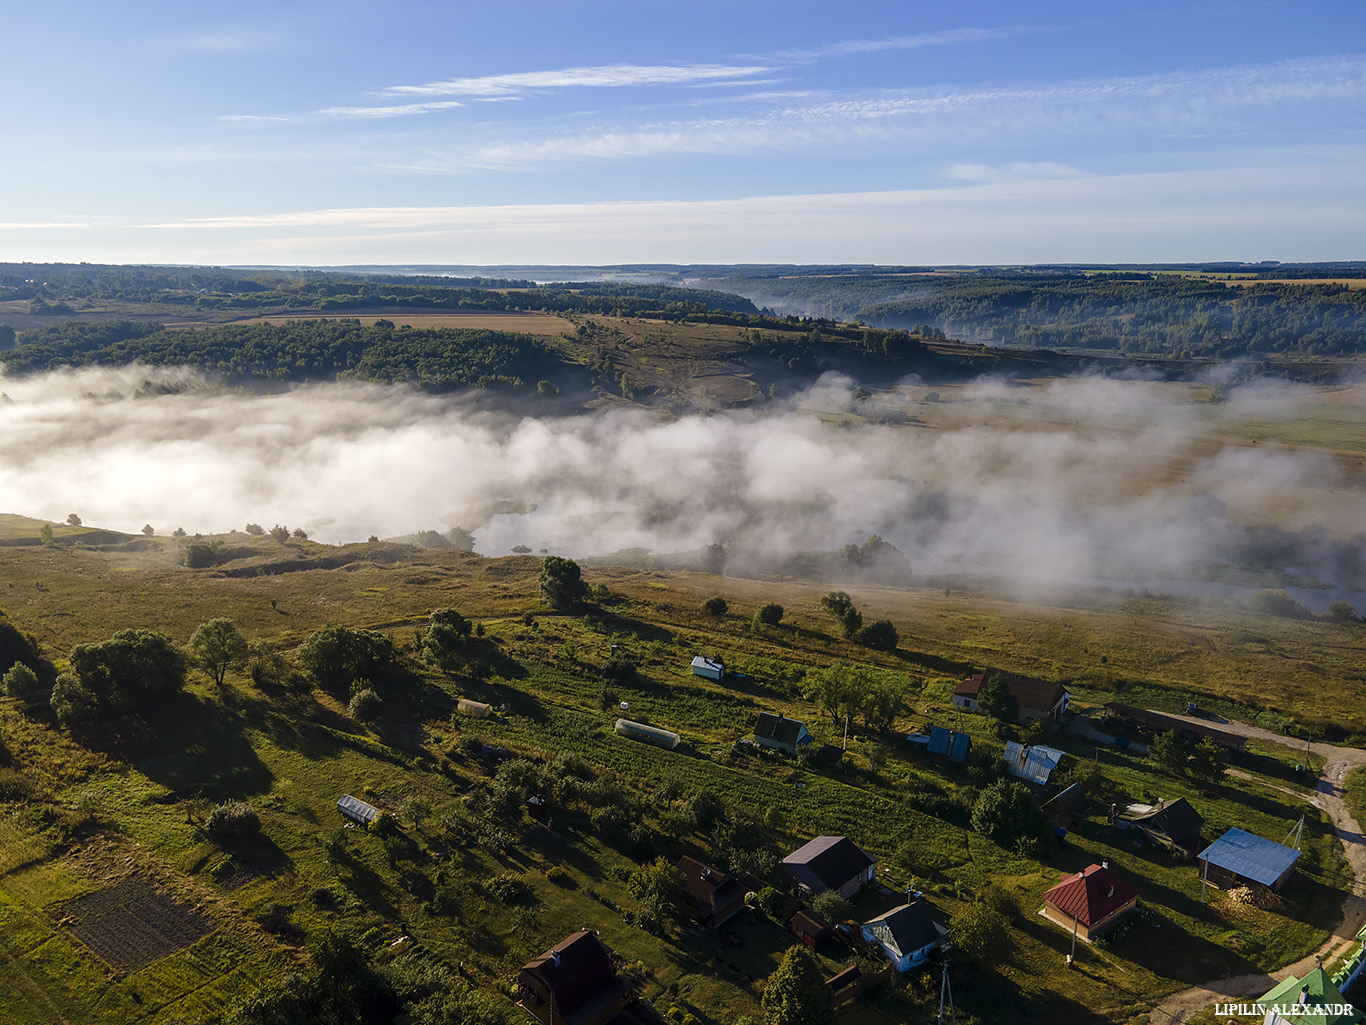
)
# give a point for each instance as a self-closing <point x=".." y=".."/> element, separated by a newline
<point x="1240" y="858"/>
<point x="952" y="744"/>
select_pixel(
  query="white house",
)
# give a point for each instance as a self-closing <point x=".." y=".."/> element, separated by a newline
<point x="711" y="668"/>
<point x="906" y="934"/>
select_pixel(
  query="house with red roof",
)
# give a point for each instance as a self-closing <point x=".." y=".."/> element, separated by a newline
<point x="1090" y="902"/>
<point x="572" y="983"/>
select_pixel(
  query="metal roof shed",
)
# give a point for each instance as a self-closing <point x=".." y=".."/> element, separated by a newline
<point x="1239" y="856"/>
<point x="357" y="810"/>
<point x="950" y="743"/>
<point x="1033" y="763"/>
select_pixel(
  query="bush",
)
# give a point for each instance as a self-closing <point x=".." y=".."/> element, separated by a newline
<point x="255" y="529"/>
<point x="880" y="635"/>
<point x="233" y="820"/>
<point x="831" y="906"/>
<point x="507" y="888"/>
<point x="1006" y="814"/>
<point x="559" y="875"/>
<point x="365" y="705"/>
<point x="22" y="683"/>
<point x="279" y="533"/>
<point x="716" y="606"/>
<point x="770" y="613"/>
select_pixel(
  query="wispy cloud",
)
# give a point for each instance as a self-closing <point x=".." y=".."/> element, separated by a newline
<point x="604" y="76"/>
<point x="1214" y="101"/>
<point x="402" y="110"/>
<point x="947" y="37"/>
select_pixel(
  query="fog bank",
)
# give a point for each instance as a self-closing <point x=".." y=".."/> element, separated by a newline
<point x="1101" y="480"/>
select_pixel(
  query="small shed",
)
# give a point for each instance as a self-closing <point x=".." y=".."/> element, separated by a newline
<point x="357" y="810"/>
<point x="1067" y="808"/>
<point x="952" y="744"/>
<point x="1033" y="762"/>
<point x="811" y="929"/>
<point x="477" y="709"/>
<point x="1239" y="857"/>
<point x="711" y="668"/>
<point x="648" y="734"/>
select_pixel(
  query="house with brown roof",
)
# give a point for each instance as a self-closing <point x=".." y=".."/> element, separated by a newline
<point x="1037" y="699"/>
<point x="1090" y="902"/>
<point x="780" y="733"/>
<point x="830" y="863"/>
<point x="710" y="896"/>
<point x="572" y="983"/>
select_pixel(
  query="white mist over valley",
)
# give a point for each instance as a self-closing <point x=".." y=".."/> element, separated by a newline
<point x="1067" y="482"/>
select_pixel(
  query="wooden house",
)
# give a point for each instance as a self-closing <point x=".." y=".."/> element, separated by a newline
<point x="780" y="733"/>
<point x="572" y="983"/>
<point x="830" y="863"/>
<point x="711" y="897"/>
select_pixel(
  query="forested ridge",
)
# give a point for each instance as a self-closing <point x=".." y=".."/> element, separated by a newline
<point x="65" y="290"/>
<point x="1131" y="312"/>
<point x="298" y="351"/>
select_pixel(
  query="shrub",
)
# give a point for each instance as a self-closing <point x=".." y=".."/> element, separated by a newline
<point x="559" y="875"/>
<point x="716" y="606"/>
<point x="22" y="683"/>
<point x="255" y="529"/>
<point x="770" y="613"/>
<point x="831" y="906"/>
<point x="365" y="705"/>
<point x="507" y="888"/>
<point x="880" y="635"/>
<point x="233" y="820"/>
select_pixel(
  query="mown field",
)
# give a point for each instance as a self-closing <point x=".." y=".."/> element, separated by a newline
<point x="79" y="820"/>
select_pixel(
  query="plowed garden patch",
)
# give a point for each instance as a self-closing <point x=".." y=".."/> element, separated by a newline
<point x="133" y="923"/>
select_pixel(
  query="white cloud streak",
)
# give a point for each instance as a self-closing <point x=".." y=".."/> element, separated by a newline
<point x="402" y="110"/>
<point x="1220" y="100"/>
<point x="948" y="37"/>
<point x="603" y="76"/>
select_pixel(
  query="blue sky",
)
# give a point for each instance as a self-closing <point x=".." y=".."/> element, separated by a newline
<point x="609" y="132"/>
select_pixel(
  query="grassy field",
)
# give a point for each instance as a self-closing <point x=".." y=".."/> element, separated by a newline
<point x="76" y="819"/>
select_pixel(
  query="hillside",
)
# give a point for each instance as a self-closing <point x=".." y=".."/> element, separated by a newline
<point x="480" y="887"/>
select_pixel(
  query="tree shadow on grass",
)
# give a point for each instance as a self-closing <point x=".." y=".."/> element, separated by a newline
<point x="192" y="745"/>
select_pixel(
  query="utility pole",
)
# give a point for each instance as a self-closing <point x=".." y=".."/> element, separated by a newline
<point x="946" y="991"/>
<point x="1204" y="878"/>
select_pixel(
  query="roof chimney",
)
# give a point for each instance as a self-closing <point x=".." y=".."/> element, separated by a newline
<point x="1105" y="864"/>
<point x="1111" y="893"/>
<point x="1304" y="995"/>
<point x="555" y="957"/>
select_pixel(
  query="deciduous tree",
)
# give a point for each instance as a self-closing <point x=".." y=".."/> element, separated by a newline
<point x="217" y="645"/>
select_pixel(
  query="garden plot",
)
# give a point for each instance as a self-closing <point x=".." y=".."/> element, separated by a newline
<point x="132" y="923"/>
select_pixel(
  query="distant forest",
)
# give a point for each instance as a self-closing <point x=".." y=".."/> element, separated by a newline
<point x="299" y="351"/>
<point x="69" y="289"/>
<point x="1130" y="313"/>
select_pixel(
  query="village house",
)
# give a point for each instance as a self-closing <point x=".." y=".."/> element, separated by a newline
<point x="1173" y="824"/>
<point x="906" y="934"/>
<point x="830" y="863"/>
<point x="780" y="733"/>
<point x="572" y="983"/>
<point x="1037" y="699"/>
<point x="710" y="896"/>
<point x="1090" y="902"/>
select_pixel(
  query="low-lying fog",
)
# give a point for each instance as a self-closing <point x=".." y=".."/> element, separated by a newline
<point x="1091" y="479"/>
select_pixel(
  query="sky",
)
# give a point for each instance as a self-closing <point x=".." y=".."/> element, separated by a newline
<point x="601" y="132"/>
